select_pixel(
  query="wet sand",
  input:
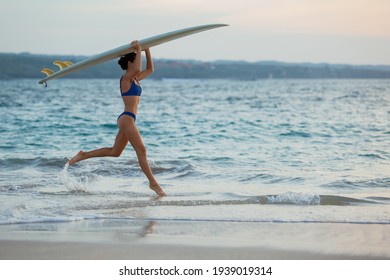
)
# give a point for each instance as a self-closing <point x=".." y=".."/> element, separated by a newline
<point x="192" y="240"/>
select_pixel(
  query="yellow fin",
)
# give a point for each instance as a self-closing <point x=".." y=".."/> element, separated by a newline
<point x="68" y="63"/>
<point x="47" y="71"/>
<point x="60" y="64"/>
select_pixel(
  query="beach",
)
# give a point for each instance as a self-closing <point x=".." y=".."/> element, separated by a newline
<point x="193" y="240"/>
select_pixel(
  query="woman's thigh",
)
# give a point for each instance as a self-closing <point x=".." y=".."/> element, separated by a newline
<point x="120" y="143"/>
<point x="129" y="129"/>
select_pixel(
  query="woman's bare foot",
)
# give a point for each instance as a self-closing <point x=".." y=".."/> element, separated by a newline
<point x="156" y="187"/>
<point x="76" y="158"/>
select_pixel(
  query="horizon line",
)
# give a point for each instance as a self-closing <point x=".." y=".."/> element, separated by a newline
<point x="217" y="60"/>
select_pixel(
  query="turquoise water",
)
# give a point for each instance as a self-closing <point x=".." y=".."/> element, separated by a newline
<point x="270" y="150"/>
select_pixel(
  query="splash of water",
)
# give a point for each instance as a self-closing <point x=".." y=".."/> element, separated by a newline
<point x="71" y="182"/>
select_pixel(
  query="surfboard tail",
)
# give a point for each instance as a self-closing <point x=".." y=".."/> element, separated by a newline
<point x="47" y="71"/>
<point x="62" y="64"/>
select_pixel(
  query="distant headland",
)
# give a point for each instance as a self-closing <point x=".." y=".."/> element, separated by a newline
<point x="26" y="65"/>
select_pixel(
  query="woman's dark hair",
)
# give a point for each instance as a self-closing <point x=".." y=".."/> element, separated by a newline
<point x="125" y="59"/>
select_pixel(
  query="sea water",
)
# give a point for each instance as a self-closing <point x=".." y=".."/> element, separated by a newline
<point x="223" y="150"/>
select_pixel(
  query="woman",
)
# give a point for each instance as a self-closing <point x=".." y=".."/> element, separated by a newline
<point x="128" y="132"/>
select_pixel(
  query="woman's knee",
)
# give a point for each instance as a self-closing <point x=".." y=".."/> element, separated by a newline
<point x="115" y="152"/>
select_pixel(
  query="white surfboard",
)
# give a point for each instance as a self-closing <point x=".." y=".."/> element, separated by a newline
<point x="67" y="67"/>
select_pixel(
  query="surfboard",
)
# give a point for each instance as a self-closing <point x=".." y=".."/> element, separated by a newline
<point x="67" y="67"/>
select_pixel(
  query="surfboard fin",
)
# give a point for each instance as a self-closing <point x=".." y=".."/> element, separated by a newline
<point x="47" y="71"/>
<point x="62" y="64"/>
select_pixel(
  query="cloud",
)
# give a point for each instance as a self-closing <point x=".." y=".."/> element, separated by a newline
<point x="337" y="17"/>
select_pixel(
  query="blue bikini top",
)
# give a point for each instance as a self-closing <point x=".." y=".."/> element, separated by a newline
<point x="135" y="90"/>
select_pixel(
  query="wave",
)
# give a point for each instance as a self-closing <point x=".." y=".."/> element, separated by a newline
<point x="374" y="156"/>
<point x="140" y="200"/>
<point x="293" y="133"/>
<point x="18" y="187"/>
<point x="179" y="169"/>
<point x="371" y="183"/>
<point x="294" y="198"/>
<point x="49" y="219"/>
<point x="270" y="179"/>
<point x="108" y="205"/>
<point x="103" y="167"/>
<point x="71" y="219"/>
<point x="37" y="162"/>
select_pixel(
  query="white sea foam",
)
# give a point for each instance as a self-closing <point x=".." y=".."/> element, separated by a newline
<point x="295" y="198"/>
<point x="48" y="219"/>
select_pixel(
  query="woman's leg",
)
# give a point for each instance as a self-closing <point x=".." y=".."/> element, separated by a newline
<point x="128" y="132"/>
<point x="114" y="151"/>
<point x="135" y="139"/>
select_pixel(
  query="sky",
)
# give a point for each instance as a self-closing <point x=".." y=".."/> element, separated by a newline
<point x="310" y="31"/>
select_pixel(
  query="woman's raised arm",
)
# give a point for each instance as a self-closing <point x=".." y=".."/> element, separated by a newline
<point x="149" y="66"/>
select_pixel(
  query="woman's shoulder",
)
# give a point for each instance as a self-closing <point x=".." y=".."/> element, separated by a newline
<point x="128" y="77"/>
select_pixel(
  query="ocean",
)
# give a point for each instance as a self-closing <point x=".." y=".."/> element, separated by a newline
<point x="282" y="151"/>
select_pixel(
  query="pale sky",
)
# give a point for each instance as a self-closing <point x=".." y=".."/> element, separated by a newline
<point x="331" y="31"/>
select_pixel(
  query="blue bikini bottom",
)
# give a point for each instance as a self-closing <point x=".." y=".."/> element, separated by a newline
<point x="131" y="114"/>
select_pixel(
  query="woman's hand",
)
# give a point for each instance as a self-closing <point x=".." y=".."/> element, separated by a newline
<point x="136" y="45"/>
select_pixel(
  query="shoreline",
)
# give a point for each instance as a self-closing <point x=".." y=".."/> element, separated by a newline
<point x="193" y="240"/>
